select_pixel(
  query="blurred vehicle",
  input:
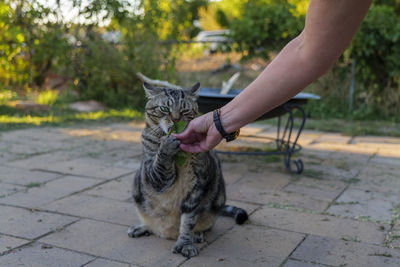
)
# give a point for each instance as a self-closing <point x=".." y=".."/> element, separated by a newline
<point x="215" y="40"/>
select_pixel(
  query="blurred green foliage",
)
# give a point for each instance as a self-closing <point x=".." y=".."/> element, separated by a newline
<point x="36" y="41"/>
<point x="29" y="50"/>
<point x="259" y="27"/>
<point x="376" y="51"/>
<point x="264" y="26"/>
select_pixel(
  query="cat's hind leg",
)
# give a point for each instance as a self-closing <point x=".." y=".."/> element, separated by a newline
<point x="138" y="231"/>
<point x="199" y="237"/>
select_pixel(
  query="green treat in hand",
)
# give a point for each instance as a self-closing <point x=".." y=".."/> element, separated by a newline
<point x="178" y="127"/>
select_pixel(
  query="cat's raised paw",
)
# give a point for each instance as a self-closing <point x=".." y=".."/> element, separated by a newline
<point x="138" y="231"/>
<point x="169" y="145"/>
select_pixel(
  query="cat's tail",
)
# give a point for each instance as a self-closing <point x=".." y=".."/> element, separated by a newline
<point x="239" y="214"/>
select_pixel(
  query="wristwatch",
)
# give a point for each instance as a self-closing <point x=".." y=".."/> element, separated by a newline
<point x="217" y="121"/>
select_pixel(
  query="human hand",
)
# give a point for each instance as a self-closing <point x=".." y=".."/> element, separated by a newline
<point x="200" y="135"/>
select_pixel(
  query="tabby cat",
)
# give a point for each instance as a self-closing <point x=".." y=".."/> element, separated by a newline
<point x="177" y="202"/>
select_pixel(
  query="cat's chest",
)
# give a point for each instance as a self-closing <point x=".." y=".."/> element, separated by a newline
<point x="172" y="198"/>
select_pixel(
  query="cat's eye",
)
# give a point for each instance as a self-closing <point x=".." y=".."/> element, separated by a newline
<point x="164" y="109"/>
<point x="185" y="111"/>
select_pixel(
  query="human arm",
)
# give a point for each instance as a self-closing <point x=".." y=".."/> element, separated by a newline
<point x="330" y="26"/>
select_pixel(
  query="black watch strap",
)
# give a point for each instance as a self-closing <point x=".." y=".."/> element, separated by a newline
<point x="217" y="121"/>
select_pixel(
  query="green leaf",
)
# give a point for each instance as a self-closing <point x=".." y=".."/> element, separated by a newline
<point x="179" y="126"/>
<point x="180" y="157"/>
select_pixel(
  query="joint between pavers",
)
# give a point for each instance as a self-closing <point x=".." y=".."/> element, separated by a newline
<point x="101" y="182"/>
<point x="32" y="241"/>
<point x="290" y="254"/>
<point x="101" y="258"/>
<point x="18" y="247"/>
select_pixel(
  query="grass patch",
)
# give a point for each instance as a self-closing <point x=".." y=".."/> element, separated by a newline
<point x="353" y="180"/>
<point x="346" y="203"/>
<point x="12" y="119"/>
<point x="381" y="255"/>
<point x="313" y="174"/>
<point x="31" y="185"/>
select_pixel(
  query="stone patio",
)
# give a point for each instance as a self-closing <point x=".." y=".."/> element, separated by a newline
<point x="65" y="201"/>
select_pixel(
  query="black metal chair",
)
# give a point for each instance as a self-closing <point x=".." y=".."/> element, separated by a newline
<point x="286" y="140"/>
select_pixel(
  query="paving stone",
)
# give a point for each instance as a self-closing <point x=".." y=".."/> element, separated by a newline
<point x="49" y="192"/>
<point x="6" y="156"/>
<point x="312" y="155"/>
<point x="287" y="200"/>
<point x="118" y="189"/>
<point x="128" y="126"/>
<point x="25" y="150"/>
<point x="376" y="139"/>
<point x="44" y="160"/>
<point x="35" y="256"/>
<point x="7" y="243"/>
<point x="88" y="168"/>
<point x="254" y="185"/>
<point x="96" y="208"/>
<point x="30" y="224"/>
<point x="379" y="179"/>
<point x="318" y="189"/>
<point x="388" y="161"/>
<point x="333" y="138"/>
<point x="297" y="263"/>
<point x="349" y="160"/>
<point x="348" y="148"/>
<point x="130" y="163"/>
<point x="366" y="205"/>
<point x="127" y="152"/>
<point x="112" y="242"/>
<point x="308" y="137"/>
<point x="122" y="136"/>
<point x="9" y="189"/>
<point x="20" y="176"/>
<point x="392" y="151"/>
<point x="329" y="170"/>
<point x="248" y="245"/>
<point x="318" y="224"/>
<point x="76" y="132"/>
<point x="222" y="224"/>
<point x="107" y="263"/>
<point x="252" y="129"/>
<point x="335" y="252"/>
<point x="232" y="172"/>
<point x="33" y="135"/>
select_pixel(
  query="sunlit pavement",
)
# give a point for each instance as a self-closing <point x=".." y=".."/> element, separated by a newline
<point x="65" y="201"/>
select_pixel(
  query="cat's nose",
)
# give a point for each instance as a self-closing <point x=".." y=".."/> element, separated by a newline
<point x="176" y="119"/>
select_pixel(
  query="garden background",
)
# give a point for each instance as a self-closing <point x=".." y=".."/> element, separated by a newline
<point x="54" y="53"/>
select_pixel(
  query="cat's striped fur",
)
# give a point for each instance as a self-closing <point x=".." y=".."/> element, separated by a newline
<point x="176" y="202"/>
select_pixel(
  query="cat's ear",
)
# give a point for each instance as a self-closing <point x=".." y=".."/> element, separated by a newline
<point x="194" y="89"/>
<point x="150" y="90"/>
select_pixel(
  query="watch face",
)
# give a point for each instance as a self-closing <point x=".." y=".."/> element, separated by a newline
<point x="232" y="136"/>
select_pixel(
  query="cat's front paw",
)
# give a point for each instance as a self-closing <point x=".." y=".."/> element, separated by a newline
<point x="187" y="250"/>
<point x="138" y="231"/>
<point x="169" y="145"/>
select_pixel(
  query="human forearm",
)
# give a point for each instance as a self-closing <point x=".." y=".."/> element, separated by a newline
<point x="288" y="74"/>
<point x="330" y="26"/>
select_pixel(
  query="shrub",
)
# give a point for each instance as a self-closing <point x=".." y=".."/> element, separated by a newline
<point x="264" y="26"/>
<point x="376" y="50"/>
